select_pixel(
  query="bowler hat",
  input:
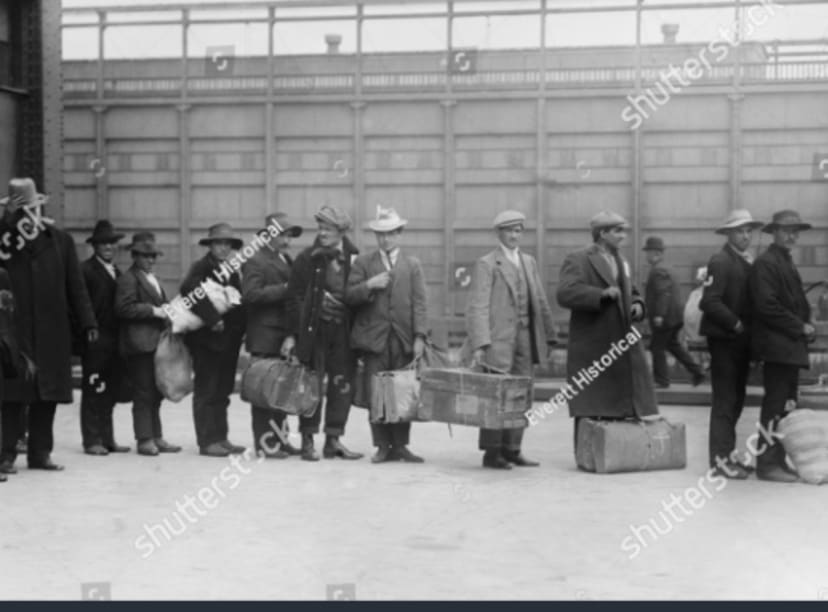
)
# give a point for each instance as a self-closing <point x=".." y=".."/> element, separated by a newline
<point x="654" y="243"/>
<point x="606" y="219"/>
<point x="335" y="216"/>
<point x="508" y="218"/>
<point x="279" y="221"/>
<point x="387" y="220"/>
<point x="221" y="231"/>
<point x="23" y="192"/>
<point x="786" y="218"/>
<point x="737" y="218"/>
<point x="104" y="233"/>
<point x="143" y="243"/>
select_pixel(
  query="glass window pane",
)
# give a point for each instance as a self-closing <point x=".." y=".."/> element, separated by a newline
<point x="80" y="43"/>
<point x="497" y="32"/>
<point x="305" y="37"/>
<point x="405" y="9"/>
<point x="126" y="42"/>
<point x="245" y="39"/>
<point x="426" y="34"/>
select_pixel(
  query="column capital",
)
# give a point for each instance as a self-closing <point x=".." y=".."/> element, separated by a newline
<point x="99" y="108"/>
<point x="448" y="103"/>
<point x="358" y="105"/>
<point x="736" y="97"/>
<point x="183" y="108"/>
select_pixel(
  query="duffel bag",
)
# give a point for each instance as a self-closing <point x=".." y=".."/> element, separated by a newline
<point x="804" y="435"/>
<point x="281" y="385"/>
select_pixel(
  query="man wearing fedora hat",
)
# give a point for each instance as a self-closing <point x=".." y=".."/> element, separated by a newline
<point x="662" y="298"/>
<point x="264" y="290"/>
<point x="509" y="326"/>
<point x="214" y="347"/>
<point x="139" y="304"/>
<point x="322" y="322"/>
<point x="48" y="286"/>
<point x="388" y="290"/>
<point x="726" y="323"/>
<point x="102" y="365"/>
<point x="780" y="336"/>
<point x="596" y="286"/>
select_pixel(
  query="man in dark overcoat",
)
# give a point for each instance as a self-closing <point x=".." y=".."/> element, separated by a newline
<point x="607" y="370"/>
<point x="215" y="346"/>
<point x="780" y="336"/>
<point x="388" y="290"/>
<point x="726" y="323"/>
<point x="318" y="314"/>
<point x="48" y="287"/>
<point x="265" y="279"/>
<point x="103" y="367"/>
<point x="665" y="312"/>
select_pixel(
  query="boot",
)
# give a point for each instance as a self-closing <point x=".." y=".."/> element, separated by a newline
<point x="335" y="448"/>
<point x="308" y="452"/>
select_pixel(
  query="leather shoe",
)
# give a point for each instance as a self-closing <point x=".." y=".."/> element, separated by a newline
<point x="166" y="447"/>
<point x="3" y="478"/>
<point x="776" y="474"/>
<point x="45" y="464"/>
<point x="731" y="470"/>
<point x="234" y="449"/>
<point x="7" y="467"/>
<point x="277" y="454"/>
<point x="96" y="449"/>
<point x="291" y="450"/>
<point x="519" y="460"/>
<point x="148" y="448"/>
<point x="117" y="448"/>
<point x="334" y="448"/>
<point x="698" y="378"/>
<point x="308" y="451"/>
<point x="401" y="453"/>
<point x="662" y="385"/>
<point x="495" y="460"/>
<point x="382" y="455"/>
<point x="216" y="449"/>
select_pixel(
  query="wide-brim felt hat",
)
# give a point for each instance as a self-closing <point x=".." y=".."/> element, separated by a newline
<point x="786" y="218"/>
<point x="104" y="233"/>
<point x="737" y="218"/>
<point x="143" y="243"/>
<point x="222" y="231"/>
<point x="23" y="192"/>
<point x="387" y="220"/>
<point x="654" y="243"/>
<point x="280" y="222"/>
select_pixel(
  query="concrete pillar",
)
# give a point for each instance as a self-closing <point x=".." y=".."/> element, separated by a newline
<point x="185" y="204"/>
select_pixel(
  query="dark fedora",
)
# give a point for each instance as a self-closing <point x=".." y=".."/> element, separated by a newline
<point x="786" y="218"/>
<point x="221" y="231"/>
<point x="654" y="243"/>
<point x="104" y="233"/>
<point x="280" y="223"/>
<point x="143" y="243"/>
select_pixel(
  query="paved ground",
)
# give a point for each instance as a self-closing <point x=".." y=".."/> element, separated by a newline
<point x="444" y="529"/>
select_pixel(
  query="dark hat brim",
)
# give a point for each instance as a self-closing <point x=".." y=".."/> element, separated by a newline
<point x="653" y="248"/>
<point x="135" y="251"/>
<point x="725" y="229"/>
<point x="772" y="227"/>
<point x="106" y="238"/>
<point x="235" y="243"/>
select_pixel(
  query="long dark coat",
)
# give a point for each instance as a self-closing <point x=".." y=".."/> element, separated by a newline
<point x="726" y="297"/>
<point x="662" y="297"/>
<point x="48" y="287"/>
<point x="265" y="279"/>
<point x="780" y="309"/>
<point x="624" y="388"/>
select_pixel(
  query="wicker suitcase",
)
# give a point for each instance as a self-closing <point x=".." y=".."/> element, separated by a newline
<point x="630" y="446"/>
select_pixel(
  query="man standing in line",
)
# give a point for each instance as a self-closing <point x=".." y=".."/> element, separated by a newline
<point x="214" y="347"/>
<point x="316" y="309"/>
<point x="388" y="291"/>
<point x="662" y="298"/>
<point x="781" y="333"/>
<point x="265" y="279"/>
<point x="48" y="286"/>
<point x="726" y="322"/>
<point x="509" y="326"/>
<point x="103" y="369"/>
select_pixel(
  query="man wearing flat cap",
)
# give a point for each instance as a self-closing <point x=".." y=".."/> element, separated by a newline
<point x="596" y="286"/>
<point x="317" y="310"/>
<point x="388" y="291"/>
<point x="103" y="367"/>
<point x="665" y="312"/>
<point x="140" y="304"/>
<point x="726" y="323"/>
<point x="215" y="346"/>
<point x="265" y="279"/>
<point x="780" y="336"/>
<point x="509" y="326"/>
<point x="48" y="287"/>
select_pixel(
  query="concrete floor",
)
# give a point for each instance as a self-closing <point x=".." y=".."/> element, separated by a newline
<point x="446" y="529"/>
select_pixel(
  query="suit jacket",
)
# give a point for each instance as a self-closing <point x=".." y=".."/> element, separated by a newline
<point x="780" y="309"/>
<point x="134" y="299"/>
<point x="625" y="387"/>
<point x="401" y="307"/>
<point x="662" y="297"/>
<point x="492" y="318"/>
<point x="265" y="279"/>
<point x="101" y="287"/>
<point x="726" y="299"/>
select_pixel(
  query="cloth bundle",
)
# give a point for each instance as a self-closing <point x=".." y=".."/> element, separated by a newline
<point x="804" y="435"/>
<point x="173" y="367"/>
<point x="222" y="297"/>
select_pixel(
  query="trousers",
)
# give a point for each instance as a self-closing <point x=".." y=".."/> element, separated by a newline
<point x="394" y="357"/>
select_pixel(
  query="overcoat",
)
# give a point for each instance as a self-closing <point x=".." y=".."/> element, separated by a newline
<point x="662" y="297"/>
<point x="139" y="331"/>
<point x="265" y="279"/>
<point x="401" y="306"/>
<point x="492" y="318"/>
<point x="780" y="309"/>
<point x="49" y="291"/>
<point x="726" y="297"/>
<point x="624" y="388"/>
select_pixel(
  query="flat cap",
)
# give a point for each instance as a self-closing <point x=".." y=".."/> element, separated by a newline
<point x="335" y="216"/>
<point x="509" y="217"/>
<point x="607" y="218"/>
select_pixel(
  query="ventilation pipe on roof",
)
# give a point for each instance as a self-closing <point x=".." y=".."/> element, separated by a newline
<point x="333" y="41"/>
<point x="669" y="31"/>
